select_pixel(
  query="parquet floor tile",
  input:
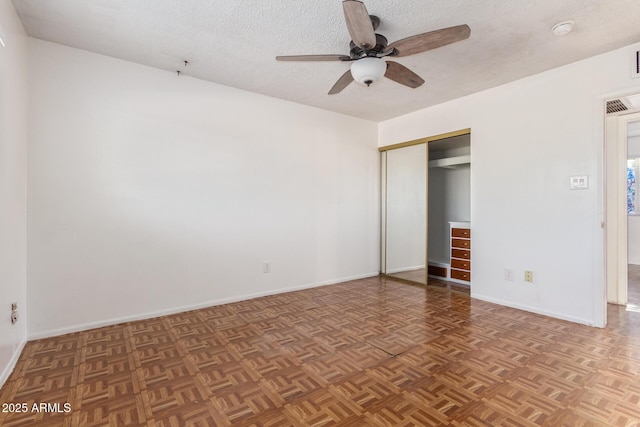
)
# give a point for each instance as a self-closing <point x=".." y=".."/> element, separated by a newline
<point x="364" y="390"/>
<point x="373" y="352"/>
<point x="398" y="410"/>
<point x="439" y="396"/>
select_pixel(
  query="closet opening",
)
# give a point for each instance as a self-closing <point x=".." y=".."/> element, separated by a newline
<point x="449" y="214"/>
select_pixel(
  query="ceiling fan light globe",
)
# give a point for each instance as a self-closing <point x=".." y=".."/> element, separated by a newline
<point x="368" y="70"/>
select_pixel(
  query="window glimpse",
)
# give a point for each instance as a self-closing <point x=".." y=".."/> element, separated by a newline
<point x="633" y="195"/>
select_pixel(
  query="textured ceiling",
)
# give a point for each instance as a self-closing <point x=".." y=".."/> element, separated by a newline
<point x="234" y="43"/>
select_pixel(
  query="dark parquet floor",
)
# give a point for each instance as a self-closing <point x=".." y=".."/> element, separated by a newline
<point x="371" y="352"/>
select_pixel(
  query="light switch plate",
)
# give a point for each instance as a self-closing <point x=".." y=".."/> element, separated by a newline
<point x="579" y="182"/>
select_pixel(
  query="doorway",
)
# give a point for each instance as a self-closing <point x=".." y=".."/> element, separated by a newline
<point x="425" y="197"/>
<point x="622" y="165"/>
<point x="633" y="211"/>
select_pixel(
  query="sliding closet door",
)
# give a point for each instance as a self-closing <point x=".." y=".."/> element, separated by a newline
<point x="406" y="212"/>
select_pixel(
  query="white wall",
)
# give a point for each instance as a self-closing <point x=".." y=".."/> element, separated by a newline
<point x="527" y="138"/>
<point x="13" y="180"/>
<point x="633" y="222"/>
<point x="151" y="193"/>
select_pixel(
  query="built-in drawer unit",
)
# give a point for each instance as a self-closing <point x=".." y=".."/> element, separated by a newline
<point x="460" y="252"/>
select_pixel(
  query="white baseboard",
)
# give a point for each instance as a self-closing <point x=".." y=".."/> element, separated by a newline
<point x="532" y="309"/>
<point x="12" y="363"/>
<point x="180" y="309"/>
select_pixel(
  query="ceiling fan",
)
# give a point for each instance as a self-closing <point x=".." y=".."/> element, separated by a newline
<point x="367" y="49"/>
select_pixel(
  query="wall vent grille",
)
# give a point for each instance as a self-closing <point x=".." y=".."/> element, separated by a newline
<point x="615" y="106"/>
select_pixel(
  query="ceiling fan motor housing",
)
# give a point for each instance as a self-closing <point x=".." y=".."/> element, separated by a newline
<point x="357" y="52"/>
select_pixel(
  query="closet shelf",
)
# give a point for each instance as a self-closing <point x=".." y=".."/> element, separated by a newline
<point x="450" y="162"/>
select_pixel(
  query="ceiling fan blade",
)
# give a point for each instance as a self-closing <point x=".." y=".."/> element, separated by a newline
<point x="359" y="23"/>
<point x="431" y="40"/>
<point x="342" y="82"/>
<point x="401" y="74"/>
<point x="314" y="58"/>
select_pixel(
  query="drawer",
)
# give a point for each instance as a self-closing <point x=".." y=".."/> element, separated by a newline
<point x="461" y="243"/>
<point x="436" y="270"/>
<point x="461" y="264"/>
<point x="461" y="275"/>
<point x="461" y="232"/>
<point x="460" y="253"/>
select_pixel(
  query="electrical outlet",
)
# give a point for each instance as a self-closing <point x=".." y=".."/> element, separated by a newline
<point x="528" y="276"/>
<point x="266" y="266"/>
<point x="508" y="274"/>
<point x="14" y="312"/>
<point x="14" y="316"/>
